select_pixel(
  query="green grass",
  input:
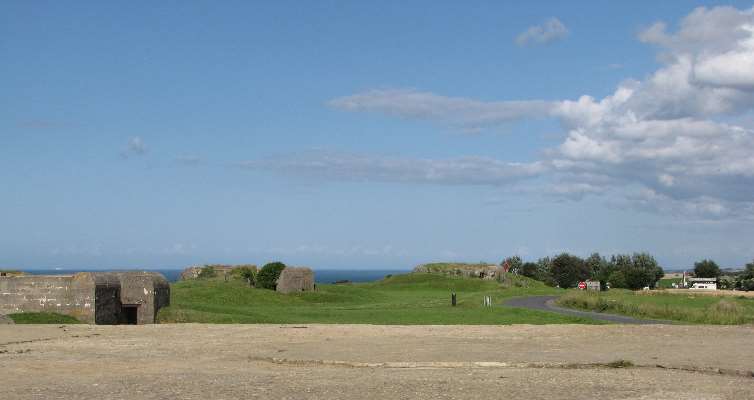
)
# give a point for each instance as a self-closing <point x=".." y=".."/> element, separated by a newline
<point x="400" y="299"/>
<point x="10" y="271"/>
<point x="695" y="309"/>
<point x="445" y="266"/>
<point x="668" y="283"/>
<point x="42" y="318"/>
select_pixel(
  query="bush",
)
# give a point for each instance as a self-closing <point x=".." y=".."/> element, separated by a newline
<point x="207" y="272"/>
<point x="247" y="273"/>
<point x="267" y="276"/>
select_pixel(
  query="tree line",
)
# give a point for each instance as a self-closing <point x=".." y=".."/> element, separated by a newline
<point x="629" y="271"/>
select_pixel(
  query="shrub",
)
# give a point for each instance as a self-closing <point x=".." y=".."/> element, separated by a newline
<point x="247" y="273"/>
<point x="207" y="272"/>
<point x="267" y="276"/>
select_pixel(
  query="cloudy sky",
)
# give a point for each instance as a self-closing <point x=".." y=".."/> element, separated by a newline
<point x="356" y="135"/>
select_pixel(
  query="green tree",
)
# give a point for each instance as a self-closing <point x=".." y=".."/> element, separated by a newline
<point x="267" y="276"/>
<point x="706" y="269"/>
<point x="745" y="280"/>
<point x="529" y="269"/>
<point x="568" y="270"/>
<point x="600" y="269"/>
<point x="514" y="263"/>
<point x="544" y="266"/>
<point x="246" y="273"/>
<point x="642" y="272"/>
<point x="633" y="271"/>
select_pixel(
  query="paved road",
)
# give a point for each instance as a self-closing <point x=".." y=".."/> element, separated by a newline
<point x="546" y="303"/>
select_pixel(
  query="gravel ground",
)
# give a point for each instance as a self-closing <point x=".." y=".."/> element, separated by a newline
<point x="194" y="361"/>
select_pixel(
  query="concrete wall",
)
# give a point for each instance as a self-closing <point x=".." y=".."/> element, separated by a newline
<point x="73" y="295"/>
<point x="90" y="297"/>
<point x="491" y="272"/>
<point x="150" y="291"/>
<point x="294" y="279"/>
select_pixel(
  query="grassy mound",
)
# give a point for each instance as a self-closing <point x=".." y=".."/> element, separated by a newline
<point x="683" y="308"/>
<point x="444" y="267"/>
<point x="42" y="318"/>
<point x="400" y="299"/>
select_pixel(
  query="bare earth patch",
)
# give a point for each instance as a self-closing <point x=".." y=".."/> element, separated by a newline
<point x="196" y="361"/>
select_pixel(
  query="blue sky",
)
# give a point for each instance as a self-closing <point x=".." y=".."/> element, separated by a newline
<point x="382" y="135"/>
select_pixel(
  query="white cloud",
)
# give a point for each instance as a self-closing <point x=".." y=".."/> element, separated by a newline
<point x="134" y="147"/>
<point x="547" y="32"/>
<point x="455" y="111"/>
<point x="670" y="137"/>
<point x="188" y="160"/>
<point x="360" y="167"/>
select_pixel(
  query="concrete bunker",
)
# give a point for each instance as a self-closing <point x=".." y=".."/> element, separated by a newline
<point x="103" y="298"/>
<point x="295" y="279"/>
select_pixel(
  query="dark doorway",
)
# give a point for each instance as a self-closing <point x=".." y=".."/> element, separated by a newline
<point x="129" y="314"/>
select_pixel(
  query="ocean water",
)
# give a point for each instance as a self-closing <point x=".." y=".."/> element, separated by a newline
<point x="320" y="275"/>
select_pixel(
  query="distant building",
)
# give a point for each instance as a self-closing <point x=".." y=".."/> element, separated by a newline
<point x="93" y="297"/>
<point x="702" y="283"/>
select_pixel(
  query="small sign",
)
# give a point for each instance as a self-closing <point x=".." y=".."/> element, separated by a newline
<point x="582" y="285"/>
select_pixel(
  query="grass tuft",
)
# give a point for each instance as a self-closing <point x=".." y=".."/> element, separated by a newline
<point x="42" y="318"/>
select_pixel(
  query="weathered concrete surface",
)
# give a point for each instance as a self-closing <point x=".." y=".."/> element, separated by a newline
<point x="483" y="271"/>
<point x="295" y="279"/>
<point x="73" y="295"/>
<point x="364" y="361"/>
<point x="92" y="297"/>
<point x="5" y="320"/>
<point x="150" y="291"/>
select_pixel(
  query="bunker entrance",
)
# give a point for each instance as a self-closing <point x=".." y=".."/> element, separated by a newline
<point x="129" y="314"/>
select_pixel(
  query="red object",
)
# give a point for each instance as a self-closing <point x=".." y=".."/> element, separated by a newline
<point x="582" y="285"/>
<point x="506" y="266"/>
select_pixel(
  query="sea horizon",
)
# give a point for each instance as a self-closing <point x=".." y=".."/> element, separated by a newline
<point x="321" y="275"/>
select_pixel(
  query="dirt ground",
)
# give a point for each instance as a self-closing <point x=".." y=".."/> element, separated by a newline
<point x="193" y="361"/>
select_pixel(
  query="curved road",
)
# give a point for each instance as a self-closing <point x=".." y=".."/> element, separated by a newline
<point x="546" y="303"/>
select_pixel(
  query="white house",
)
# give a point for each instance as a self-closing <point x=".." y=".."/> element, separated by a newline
<point x="703" y="283"/>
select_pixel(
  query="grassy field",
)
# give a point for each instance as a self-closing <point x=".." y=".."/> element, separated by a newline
<point x="42" y="318"/>
<point x="666" y="283"/>
<point x="400" y="299"/>
<point x="691" y="308"/>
